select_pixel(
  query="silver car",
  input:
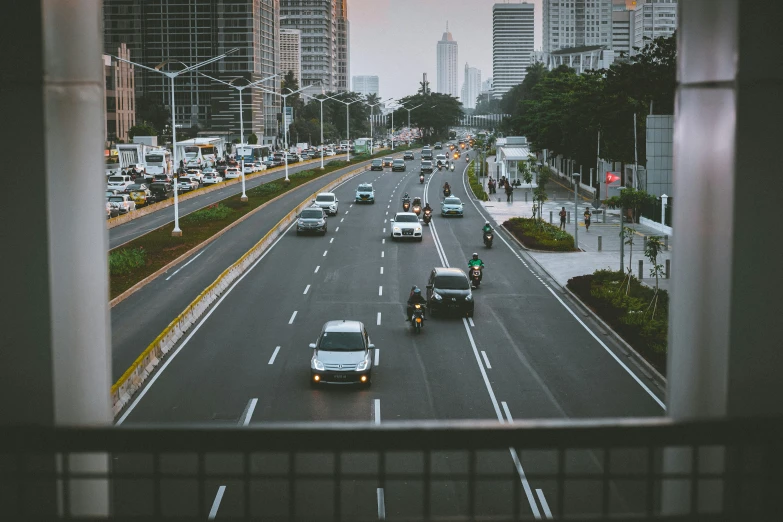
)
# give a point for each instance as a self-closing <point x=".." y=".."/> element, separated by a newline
<point x="343" y="354"/>
<point x="328" y="202"/>
<point x="405" y="225"/>
<point x="451" y="206"/>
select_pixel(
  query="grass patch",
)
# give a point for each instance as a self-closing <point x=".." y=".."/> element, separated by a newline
<point x="147" y="254"/>
<point x="476" y="187"/>
<point x="628" y="312"/>
<point x="540" y="235"/>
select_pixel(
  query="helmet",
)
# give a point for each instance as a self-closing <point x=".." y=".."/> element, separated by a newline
<point x="486" y="222"/>
<point x="475" y="255"/>
<point x="417" y="291"/>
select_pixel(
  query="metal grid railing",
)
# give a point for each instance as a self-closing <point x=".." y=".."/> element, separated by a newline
<point x="637" y="469"/>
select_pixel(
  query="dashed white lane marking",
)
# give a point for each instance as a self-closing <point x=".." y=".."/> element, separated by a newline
<point x="387" y="213"/>
<point x="306" y="289"/>
<point x="384" y="221"/>
<point x="249" y="409"/>
<point x="350" y="206"/>
<point x="384" y="230"/>
<point x="347" y="211"/>
<point x="378" y="321"/>
<point x="383" y="254"/>
<point x="470" y="320"/>
<point x="337" y="229"/>
<point x="381" y="270"/>
<point x="383" y="241"/>
<point x="381" y="505"/>
<point x="388" y="206"/>
<point x="380" y="290"/>
<point x="331" y="240"/>
<point x="293" y="316"/>
<point x="542" y="499"/>
<point x="216" y="503"/>
<point x="317" y="269"/>
<point x="272" y="360"/>
<point x="325" y="251"/>
<point x="377" y="411"/>
<point x="342" y="219"/>
<point x="486" y="361"/>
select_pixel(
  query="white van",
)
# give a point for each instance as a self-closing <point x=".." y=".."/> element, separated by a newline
<point x="118" y="183"/>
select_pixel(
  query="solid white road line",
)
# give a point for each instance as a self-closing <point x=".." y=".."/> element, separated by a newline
<point x="381" y="505"/>
<point x="486" y="361"/>
<point x="592" y="334"/>
<point x="544" y="504"/>
<point x="293" y="316"/>
<point x="508" y="413"/>
<point x="380" y="290"/>
<point x="317" y="268"/>
<point x="272" y="359"/>
<point x="377" y="411"/>
<point x="196" y="329"/>
<point x="249" y="409"/>
<point x="325" y="251"/>
<point x="378" y="321"/>
<point x="470" y="320"/>
<point x="306" y="289"/>
<point x="216" y="503"/>
<point x="186" y="264"/>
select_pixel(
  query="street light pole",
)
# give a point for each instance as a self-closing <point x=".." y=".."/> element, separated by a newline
<point x="577" y="181"/>
<point x="285" y="126"/>
<point x="321" y="101"/>
<point x="240" y="89"/>
<point x="171" y="75"/>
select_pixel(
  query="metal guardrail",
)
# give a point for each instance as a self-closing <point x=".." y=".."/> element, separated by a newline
<point x="614" y="469"/>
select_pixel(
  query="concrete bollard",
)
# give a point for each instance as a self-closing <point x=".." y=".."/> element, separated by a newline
<point x="525" y="197"/>
<point x="641" y="268"/>
<point x="666" y="242"/>
<point x="568" y="219"/>
<point x="600" y="243"/>
<point x="550" y="218"/>
<point x="668" y="267"/>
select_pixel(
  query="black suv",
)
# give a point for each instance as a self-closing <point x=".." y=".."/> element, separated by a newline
<point x="448" y="290"/>
<point x="377" y="164"/>
<point x="159" y="191"/>
<point x="408" y="155"/>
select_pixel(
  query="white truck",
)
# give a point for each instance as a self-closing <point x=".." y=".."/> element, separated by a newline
<point x="201" y="152"/>
<point x="133" y="157"/>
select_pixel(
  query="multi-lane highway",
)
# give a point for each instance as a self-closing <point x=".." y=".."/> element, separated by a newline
<point x="526" y="354"/>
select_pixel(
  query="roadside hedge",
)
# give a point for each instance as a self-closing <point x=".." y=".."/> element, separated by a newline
<point x="540" y="235"/>
<point x="628" y="312"/>
<point x="475" y="185"/>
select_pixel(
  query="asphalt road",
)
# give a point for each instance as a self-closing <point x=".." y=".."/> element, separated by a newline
<point x="525" y="355"/>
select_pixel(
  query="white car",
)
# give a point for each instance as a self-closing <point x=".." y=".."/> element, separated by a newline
<point x="405" y="225"/>
<point x="328" y="203"/>
<point x="122" y="202"/>
<point x="259" y="166"/>
<point x="232" y="173"/>
<point x="249" y="168"/>
<point x="186" y="184"/>
<point x="118" y="183"/>
<point x="211" y="178"/>
<point x="329" y="152"/>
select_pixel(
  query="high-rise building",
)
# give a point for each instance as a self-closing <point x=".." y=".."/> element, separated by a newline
<point x="291" y="53"/>
<point x="270" y="60"/>
<point x="576" y="23"/>
<point x="447" y="65"/>
<point x="318" y="22"/>
<point x="366" y="85"/>
<point x="191" y="31"/>
<point x="512" y="45"/>
<point x="471" y="87"/>
<point x="621" y="31"/>
<point x="343" y="46"/>
<point x="651" y="19"/>
<point x="119" y="96"/>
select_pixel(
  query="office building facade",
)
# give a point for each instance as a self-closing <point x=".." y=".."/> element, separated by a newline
<point x="366" y="85"/>
<point x="270" y="60"/>
<point x="291" y="53"/>
<point x="512" y="45"/>
<point x="318" y="22"/>
<point x="471" y="87"/>
<point x="447" y="54"/>
<point x="651" y="19"/>
<point x="576" y="23"/>
<point x="192" y="31"/>
<point x="621" y="31"/>
<point x="119" y="96"/>
<point x="343" y="47"/>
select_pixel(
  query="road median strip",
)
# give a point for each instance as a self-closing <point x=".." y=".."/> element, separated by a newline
<point x="133" y="378"/>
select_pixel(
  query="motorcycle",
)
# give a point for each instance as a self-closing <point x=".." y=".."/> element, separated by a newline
<point x="417" y="319"/>
<point x="452" y="167"/>
<point x="421" y="178"/>
<point x="475" y="276"/>
<point x="440" y="167"/>
<point x="427" y="217"/>
<point x="488" y="237"/>
<point x="447" y="192"/>
<point x="417" y="209"/>
<point x="406" y="206"/>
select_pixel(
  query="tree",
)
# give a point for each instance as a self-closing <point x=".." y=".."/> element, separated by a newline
<point x="633" y="200"/>
<point x="434" y="116"/>
<point x="651" y="250"/>
<point x="142" y="129"/>
<point x="152" y="111"/>
<point x="288" y="85"/>
<point x="252" y="139"/>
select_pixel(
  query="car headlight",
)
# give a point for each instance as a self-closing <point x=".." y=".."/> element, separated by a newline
<point x="418" y="229"/>
<point x="362" y="366"/>
<point x="316" y="364"/>
<point x="437" y="296"/>
<point x="322" y="222"/>
<point x="396" y="229"/>
<point x="469" y="297"/>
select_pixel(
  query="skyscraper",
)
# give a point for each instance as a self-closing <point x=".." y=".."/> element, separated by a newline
<point x="192" y="31"/>
<point x="447" y="65"/>
<point x="621" y="30"/>
<point x="343" y="46"/>
<point x="651" y="19"/>
<point x="291" y="53"/>
<point x="471" y="87"/>
<point x="512" y="44"/>
<point x="319" y="22"/>
<point x="270" y="60"/>
<point x="576" y="23"/>
<point x="366" y="85"/>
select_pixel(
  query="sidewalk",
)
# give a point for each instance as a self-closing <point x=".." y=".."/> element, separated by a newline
<point x="563" y="266"/>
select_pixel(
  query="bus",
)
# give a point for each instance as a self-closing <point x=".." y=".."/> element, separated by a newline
<point x="201" y="152"/>
<point x="363" y="145"/>
<point x="252" y="153"/>
<point x="157" y="162"/>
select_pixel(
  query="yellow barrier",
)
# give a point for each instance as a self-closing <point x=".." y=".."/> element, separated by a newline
<point x="123" y="390"/>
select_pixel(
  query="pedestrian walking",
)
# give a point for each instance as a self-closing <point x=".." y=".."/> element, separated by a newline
<point x="587" y="218"/>
<point x="509" y="192"/>
<point x="562" y="218"/>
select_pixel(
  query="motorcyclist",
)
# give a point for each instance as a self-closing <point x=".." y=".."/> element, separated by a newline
<point x="427" y="207"/>
<point x="446" y="187"/>
<point x="475" y="261"/>
<point x="406" y="197"/>
<point x="487" y="227"/>
<point x="414" y="298"/>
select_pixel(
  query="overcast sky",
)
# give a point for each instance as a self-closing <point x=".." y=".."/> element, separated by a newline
<point x="396" y="39"/>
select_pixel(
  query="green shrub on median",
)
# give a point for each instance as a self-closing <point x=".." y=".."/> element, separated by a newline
<point x="214" y="212"/>
<point x="126" y="260"/>
<point x="540" y="235"/>
<point x="475" y="185"/>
